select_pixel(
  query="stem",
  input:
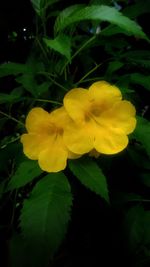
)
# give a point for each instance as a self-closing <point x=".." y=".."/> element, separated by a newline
<point x="11" y="118"/>
<point x="52" y="80"/>
<point x="78" y="51"/>
<point x="88" y="73"/>
<point x="48" y="101"/>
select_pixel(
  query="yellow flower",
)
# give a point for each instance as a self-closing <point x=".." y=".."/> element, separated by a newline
<point x="103" y="120"/>
<point x="44" y="140"/>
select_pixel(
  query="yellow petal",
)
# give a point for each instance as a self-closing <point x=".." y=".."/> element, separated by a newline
<point x="60" y="117"/>
<point x="37" y="121"/>
<point x="78" y="139"/>
<point x="33" y="144"/>
<point x="76" y="102"/>
<point x="102" y="96"/>
<point x="54" y="158"/>
<point x="120" y="116"/>
<point x="110" y="141"/>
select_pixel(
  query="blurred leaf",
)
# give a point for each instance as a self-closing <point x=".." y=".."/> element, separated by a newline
<point x="26" y="172"/>
<point x="40" y="5"/>
<point x="145" y="178"/>
<point x="134" y="227"/>
<point x="13" y="69"/>
<point x="45" y="217"/>
<point x="90" y="175"/>
<point x="142" y="133"/>
<point x="61" y="44"/>
<point x="137" y="230"/>
<point x="141" y="79"/>
<point x="103" y="13"/>
<point x="29" y="83"/>
<point x="13" y="97"/>
<point x="113" y="66"/>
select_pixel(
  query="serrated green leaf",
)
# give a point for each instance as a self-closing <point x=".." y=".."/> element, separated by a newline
<point x="26" y="172"/>
<point x="142" y="133"/>
<point x="45" y="217"/>
<point x="61" y="44"/>
<point x="90" y="175"/>
<point x="13" y="69"/>
<point x="141" y="79"/>
<point x="67" y="12"/>
<point x="103" y="13"/>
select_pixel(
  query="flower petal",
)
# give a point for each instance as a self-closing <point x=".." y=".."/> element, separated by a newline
<point x="76" y="102"/>
<point x="33" y="144"/>
<point x="78" y="139"/>
<point x="120" y="116"/>
<point x="102" y="96"/>
<point x="54" y="158"/>
<point x="109" y="141"/>
<point x="37" y="120"/>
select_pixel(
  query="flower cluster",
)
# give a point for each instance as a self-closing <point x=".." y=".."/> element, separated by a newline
<point x="94" y="121"/>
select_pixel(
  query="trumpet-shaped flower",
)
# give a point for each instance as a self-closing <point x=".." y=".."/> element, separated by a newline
<point x="103" y="120"/>
<point x="44" y="140"/>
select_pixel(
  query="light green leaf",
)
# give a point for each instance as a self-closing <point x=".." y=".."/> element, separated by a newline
<point x="102" y="13"/>
<point x="61" y="44"/>
<point x="142" y="133"/>
<point x="141" y="79"/>
<point x="13" y="69"/>
<point x="90" y="175"/>
<point x="26" y="172"/>
<point x="45" y="216"/>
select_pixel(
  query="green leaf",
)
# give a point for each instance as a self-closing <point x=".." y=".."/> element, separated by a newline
<point x="13" y="97"/>
<point x="13" y="69"/>
<point x="45" y="217"/>
<point x="134" y="227"/>
<point x="40" y="5"/>
<point x="26" y="172"/>
<point x="29" y="83"/>
<point x="141" y="79"/>
<point x="137" y="222"/>
<point x="67" y="12"/>
<point x="61" y="44"/>
<point x="102" y="13"/>
<point x="90" y="175"/>
<point x="142" y="133"/>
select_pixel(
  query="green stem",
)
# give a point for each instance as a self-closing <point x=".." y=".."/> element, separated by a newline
<point x="11" y="118"/>
<point x="78" y="51"/>
<point x="53" y="81"/>
<point x="48" y="101"/>
<point x="88" y="73"/>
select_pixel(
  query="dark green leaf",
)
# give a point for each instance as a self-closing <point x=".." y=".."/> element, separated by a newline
<point x="13" y="97"/>
<point x="45" y="217"/>
<point x="142" y="133"/>
<point x="26" y="172"/>
<point x="141" y="79"/>
<point x="103" y="13"/>
<point x="13" y="69"/>
<point x="90" y="175"/>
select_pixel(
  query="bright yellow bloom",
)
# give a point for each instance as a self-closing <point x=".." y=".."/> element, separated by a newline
<point x="44" y="140"/>
<point x="103" y="120"/>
